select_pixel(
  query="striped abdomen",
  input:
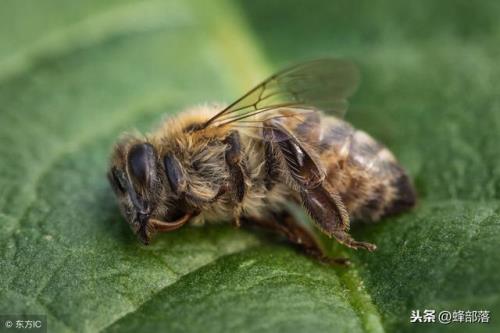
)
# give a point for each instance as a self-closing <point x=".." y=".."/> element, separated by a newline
<point x="369" y="179"/>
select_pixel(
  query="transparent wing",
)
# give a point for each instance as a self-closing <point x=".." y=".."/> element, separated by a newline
<point x="323" y="84"/>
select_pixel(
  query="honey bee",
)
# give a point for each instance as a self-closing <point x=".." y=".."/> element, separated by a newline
<point x="284" y="141"/>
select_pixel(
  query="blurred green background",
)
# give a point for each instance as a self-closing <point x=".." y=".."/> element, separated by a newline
<point x="75" y="74"/>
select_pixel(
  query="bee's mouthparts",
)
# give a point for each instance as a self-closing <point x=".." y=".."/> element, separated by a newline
<point x="162" y="226"/>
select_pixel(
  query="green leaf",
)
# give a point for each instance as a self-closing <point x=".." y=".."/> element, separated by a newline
<point x="73" y="76"/>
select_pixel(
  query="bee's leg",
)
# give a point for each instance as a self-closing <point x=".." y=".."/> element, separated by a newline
<point x="325" y="206"/>
<point x="306" y="177"/>
<point x="285" y="225"/>
<point x="237" y="176"/>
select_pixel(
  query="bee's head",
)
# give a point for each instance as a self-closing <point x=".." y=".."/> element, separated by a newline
<point x="137" y="177"/>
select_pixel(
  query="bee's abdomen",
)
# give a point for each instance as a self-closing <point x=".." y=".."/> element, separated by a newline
<point x="368" y="177"/>
<point x="405" y="197"/>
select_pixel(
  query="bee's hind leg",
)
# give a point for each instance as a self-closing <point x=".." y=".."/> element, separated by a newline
<point x="305" y="176"/>
<point x="285" y="225"/>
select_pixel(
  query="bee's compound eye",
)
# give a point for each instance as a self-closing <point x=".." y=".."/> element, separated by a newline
<point x="141" y="162"/>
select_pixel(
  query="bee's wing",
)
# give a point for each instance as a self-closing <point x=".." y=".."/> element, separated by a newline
<point x="316" y="85"/>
